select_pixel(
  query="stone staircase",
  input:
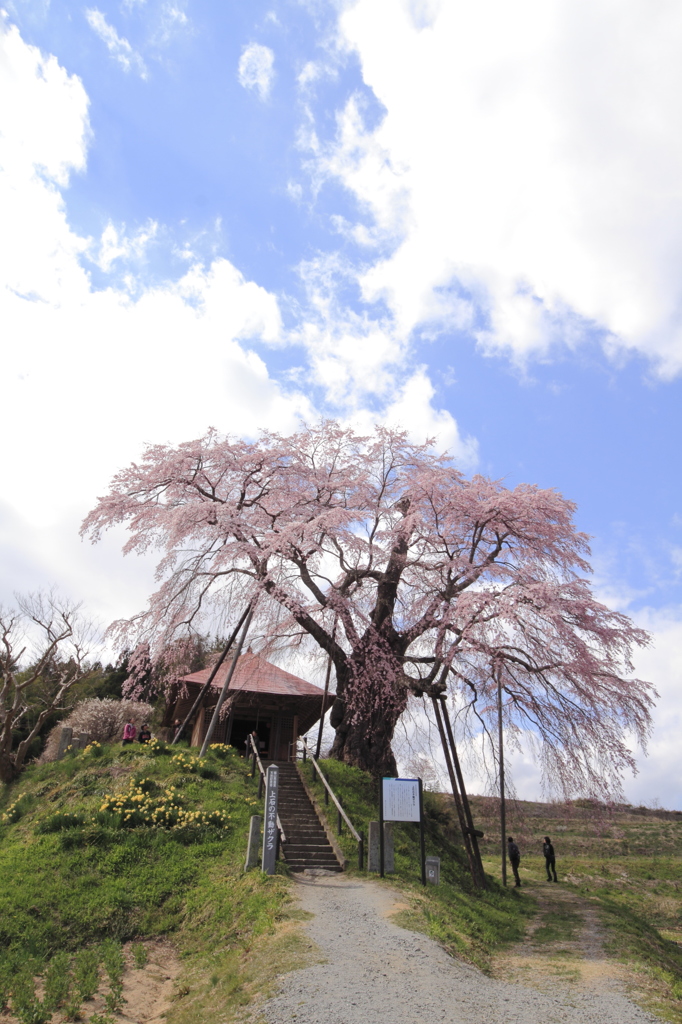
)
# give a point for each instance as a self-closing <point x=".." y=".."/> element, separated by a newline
<point x="307" y="846"/>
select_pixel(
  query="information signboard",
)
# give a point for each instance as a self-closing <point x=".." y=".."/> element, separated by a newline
<point x="401" y="800"/>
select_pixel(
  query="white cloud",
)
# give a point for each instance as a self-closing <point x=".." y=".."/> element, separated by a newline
<point x="412" y="409"/>
<point x="172" y="20"/>
<point x="115" y="244"/>
<point x="257" y="69"/>
<point x="660" y="774"/>
<point x="107" y="370"/>
<point x="91" y="375"/>
<point x="530" y="157"/>
<point x="119" y="47"/>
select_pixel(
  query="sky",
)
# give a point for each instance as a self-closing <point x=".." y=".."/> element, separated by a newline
<point x="463" y="219"/>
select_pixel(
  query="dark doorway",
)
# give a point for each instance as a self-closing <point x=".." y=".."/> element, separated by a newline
<point x="241" y="727"/>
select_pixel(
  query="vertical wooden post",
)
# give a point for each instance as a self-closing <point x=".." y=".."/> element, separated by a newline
<point x="503" y="808"/>
<point x="205" y="688"/>
<point x="228" y="680"/>
<point x="466" y="838"/>
<point x="422" y="844"/>
<point x="465" y="799"/>
<point x="324" y="708"/>
<point x="381" y="828"/>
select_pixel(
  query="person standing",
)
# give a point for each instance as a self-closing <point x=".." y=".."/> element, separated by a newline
<point x="514" y="858"/>
<point x="550" y="860"/>
<point x="129" y="732"/>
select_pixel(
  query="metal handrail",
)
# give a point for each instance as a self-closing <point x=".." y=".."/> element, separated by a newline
<point x="257" y="761"/>
<point x="356" y="835"/>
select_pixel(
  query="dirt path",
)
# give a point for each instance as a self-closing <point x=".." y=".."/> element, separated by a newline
<point x="378" y="973"/>
<point x="564" y="944"/>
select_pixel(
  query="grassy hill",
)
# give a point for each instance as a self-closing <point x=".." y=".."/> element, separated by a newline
<point x="117" y="845"/>
<point x="114" y="843"/>
<point x="470" y="924"/>
<point x="625" y="861"/>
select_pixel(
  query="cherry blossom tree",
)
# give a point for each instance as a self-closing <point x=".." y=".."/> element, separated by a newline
<point x="412" y="578"/>
<point x="153" y="673"/>
<point x="45" y="643"/>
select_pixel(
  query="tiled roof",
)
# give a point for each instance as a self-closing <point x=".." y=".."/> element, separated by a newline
<point x="256" y="675"/>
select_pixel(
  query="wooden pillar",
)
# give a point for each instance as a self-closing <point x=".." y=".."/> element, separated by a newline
<point x="276" y="735"/>
<point x="198" y="728"/>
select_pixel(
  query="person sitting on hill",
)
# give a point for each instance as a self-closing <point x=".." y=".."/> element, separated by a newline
<point x="550" y="860"/>
<point x="145" y="734"/>
<point x="129" y="732"/>
<point x="514" y="858"/>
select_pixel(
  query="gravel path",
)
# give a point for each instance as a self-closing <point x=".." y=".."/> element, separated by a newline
<point x="378" y="973"/>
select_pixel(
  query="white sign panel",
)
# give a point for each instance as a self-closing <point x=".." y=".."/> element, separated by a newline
<point x="401" y="799"/>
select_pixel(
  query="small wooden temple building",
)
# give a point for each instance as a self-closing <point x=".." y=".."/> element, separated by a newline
<point x="278" y="705"/>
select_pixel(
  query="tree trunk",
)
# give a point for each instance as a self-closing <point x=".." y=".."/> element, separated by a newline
<point x="371" y="697"/>
<point x="7" y="770"/>
<point x="364" y="742"/>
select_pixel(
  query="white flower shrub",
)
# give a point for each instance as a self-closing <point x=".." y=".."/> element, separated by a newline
<point x="103" y="718"/>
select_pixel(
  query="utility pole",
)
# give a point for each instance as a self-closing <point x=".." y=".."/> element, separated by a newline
<point x="500" y="761"/>
<point x="324" y="707"/>
<point x="326" y="692"/>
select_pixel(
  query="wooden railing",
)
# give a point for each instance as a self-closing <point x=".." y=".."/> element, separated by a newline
<point x="255" y="760"/>
<point x="341" y="815"/>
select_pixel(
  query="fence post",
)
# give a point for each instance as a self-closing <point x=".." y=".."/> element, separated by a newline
<point x="340" y="821"/>
<point x="65" y="738"/>
<point x="252" y="850"/>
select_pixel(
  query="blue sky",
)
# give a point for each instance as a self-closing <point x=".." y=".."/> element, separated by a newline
<point x="462" y="219"/>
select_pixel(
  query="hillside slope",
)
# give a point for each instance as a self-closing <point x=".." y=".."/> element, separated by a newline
<point x="113" y="844"/>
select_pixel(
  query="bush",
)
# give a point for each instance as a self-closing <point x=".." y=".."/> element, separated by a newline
<point x="103" y="719"/>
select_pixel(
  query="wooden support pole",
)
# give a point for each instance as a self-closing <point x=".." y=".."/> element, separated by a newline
<point x="226" y="684"/>
<point x="204" y="689"/>
<point x="465" y="799"/>
<point x="455" y="792"/>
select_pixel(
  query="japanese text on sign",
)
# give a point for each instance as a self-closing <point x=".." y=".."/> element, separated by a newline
<point x="270" y="829"/>
<point x="401" y="799"/>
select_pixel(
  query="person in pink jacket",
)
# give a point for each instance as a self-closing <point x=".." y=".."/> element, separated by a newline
<point x="129" y="733"/>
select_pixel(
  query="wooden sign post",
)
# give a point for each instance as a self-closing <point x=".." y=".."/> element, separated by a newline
<point x="401" y="800"/>
<point x="270" y="836"/>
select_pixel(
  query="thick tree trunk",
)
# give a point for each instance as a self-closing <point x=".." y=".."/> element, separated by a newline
<point x="7" y="770"/>
<point x="365" y="742"/>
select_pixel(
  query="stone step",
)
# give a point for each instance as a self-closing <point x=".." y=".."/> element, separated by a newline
<point x="307" y="845"/>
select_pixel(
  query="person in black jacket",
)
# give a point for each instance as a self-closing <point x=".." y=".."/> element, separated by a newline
<point x="550" y="861"/>
<point x="514" y="858"/>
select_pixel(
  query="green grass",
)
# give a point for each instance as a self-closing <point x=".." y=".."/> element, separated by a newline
<point x="627" y="861"/>
<point x="470" y="924"/>
<point x="561" y="925"/>
<point x="72" y="877"/>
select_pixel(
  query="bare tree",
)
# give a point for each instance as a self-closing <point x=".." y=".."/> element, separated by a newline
<point x="44" y="647"/>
